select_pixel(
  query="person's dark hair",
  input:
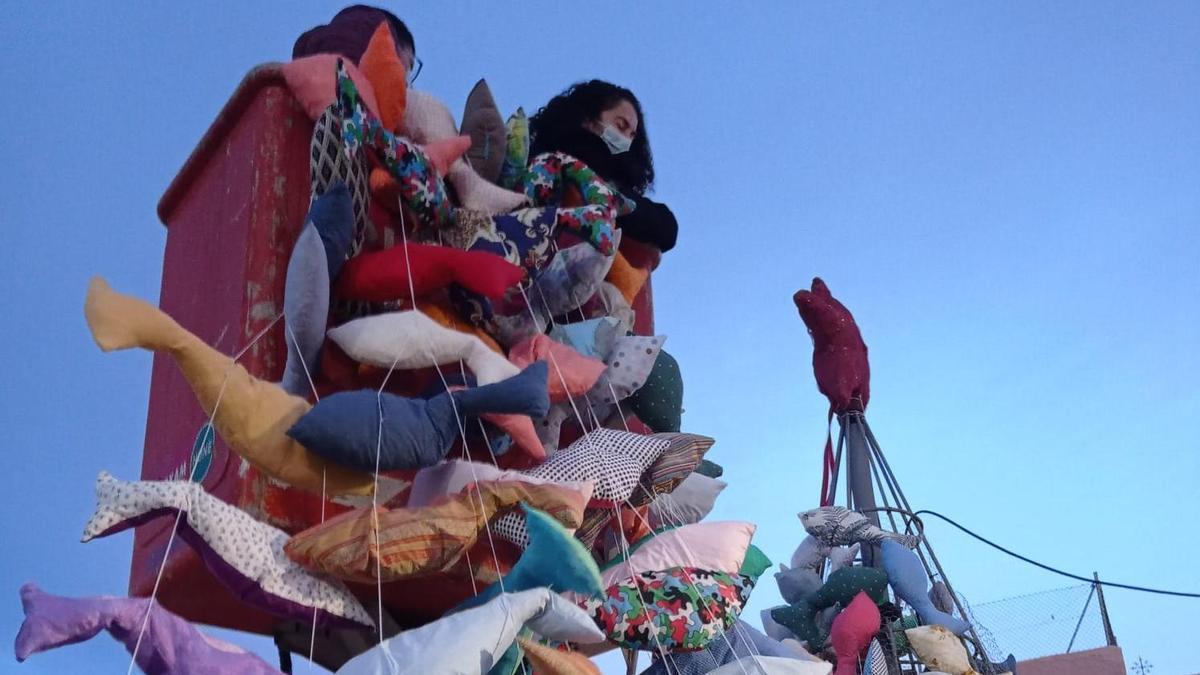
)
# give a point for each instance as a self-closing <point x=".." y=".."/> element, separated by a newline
<point x="558" y="126"/>
<point x="349" y="31"/>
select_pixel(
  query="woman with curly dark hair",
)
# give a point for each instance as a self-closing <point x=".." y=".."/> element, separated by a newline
<point x="602" y="125"/>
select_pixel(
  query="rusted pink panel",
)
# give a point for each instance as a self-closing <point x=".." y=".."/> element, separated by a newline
<point x="1103" y="661"/>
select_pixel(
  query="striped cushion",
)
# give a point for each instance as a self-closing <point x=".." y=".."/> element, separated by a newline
<point x="424" y="540"/>
<point x="682" y="455"/>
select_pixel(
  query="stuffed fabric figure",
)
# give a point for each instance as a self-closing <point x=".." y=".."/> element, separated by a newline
<point x="386" y="275"/>
<point x="839" y="353"/>
<point x="516" y="150"/>
<point x="570" y="373"/>
<point x="554" y="559"/>
<point x="332" y="169"/>
<point x="421" y="188"/>
<point x="305" y="311"/>
<point x="811" y="554"/>
<point x="482" y="121"/>
<point x="313" y="81"/>
<point x="689" y="503"/>
<point x="658" y="403"/>
<point x="414" y="433"/>
<point x="169" y="645"/>
<point x="772" y="628"/>
<point x="939" y="649"/>
<point x="410" y="340"/>
<point x="254" y="414"/>
<point x="680" y="609"/>
<point x="740" y="643"/>
<point x="839" y="589"/>
<point x="842" y="556"/>
<point x="839" y="526"/>
<point x="419" y="541"/>
<point x="940" y="596"/>
<point x="243" y="553"/>
<point x="797" y="585"/>
<point x="593" y="338"/>
<point x="472" y="641"/>
<point x="908" y="579"/>
<point x="550" y="175"/>
<point x="573" y="276"/>
<point x="852" y="631"/>
<point x="719" y="546"/>
<point x="426" y="120"/>
<point x="382" y="65"/>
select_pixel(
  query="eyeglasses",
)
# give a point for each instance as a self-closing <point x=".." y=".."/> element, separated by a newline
<point x="415" y="70"/>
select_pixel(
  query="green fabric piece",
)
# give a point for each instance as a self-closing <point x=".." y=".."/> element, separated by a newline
<point x="710" y="469"/>
<point x="659" y="401"/>
<point x="516" y="151"/>
<point x="839" y="589"/>
<point x="755" y="563"/>
<point x="510" y="663"/>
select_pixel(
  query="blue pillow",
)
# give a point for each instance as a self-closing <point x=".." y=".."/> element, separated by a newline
<point x="416" y="433"/>
<point x="797" y="584"/>
<point x="305" y="311"/>
<point x="593" y="338"/>
<point x="907" y="577"/>
<point x="333" y="215"/>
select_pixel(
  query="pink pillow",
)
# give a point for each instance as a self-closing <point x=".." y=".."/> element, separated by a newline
<point x="313" y="81"/>
<point x="717" y="546"/>
<point x="578" y="371"/>
<point x="852" y="631"/>
<point x="520" y="429"/>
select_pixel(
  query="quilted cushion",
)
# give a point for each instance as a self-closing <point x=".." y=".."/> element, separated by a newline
<point x="939" y="649"/>
<point x="330" y="165"/>
<point x="719" y="546"/>
<point x="472" y="641"/>
<point x="169" y="645"/>
<point x="383" y="67"/>
<point x="658" y="403"/>
<point x="516" y="150"/>
<point x="570" y="373"/>
<point x="243" y="553"/>
<point x="482" y="120"/>
<point x="424" y="540"/>
<point x="313" y="81"/>
<point x="688" y="503"/>
<point x="305" y="311"/>
<point x="410" y="340"/>
<point x="413" y="433"/>
<point x="680" y="609"/>
<point x="852" y="631"/>
<point x="407" y="268"/>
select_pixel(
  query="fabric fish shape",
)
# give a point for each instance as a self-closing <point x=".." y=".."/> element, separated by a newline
<point x="839" y="526"/>
<point x="852" y="631"/>
<point x="907" y="576"/>
<point x="840" y="589"/>
<point x="939" y="595"/>
<point x="797" y="584"/>
<point x="939" y="649"/>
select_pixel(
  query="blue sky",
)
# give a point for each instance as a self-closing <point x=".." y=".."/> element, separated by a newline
<point x="1005" y="194"/>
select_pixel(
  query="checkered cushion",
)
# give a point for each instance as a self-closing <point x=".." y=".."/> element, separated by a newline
<point x="328" y="164"/>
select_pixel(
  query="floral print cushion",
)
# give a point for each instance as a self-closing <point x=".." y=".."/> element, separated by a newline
<point x="679" y="609"/>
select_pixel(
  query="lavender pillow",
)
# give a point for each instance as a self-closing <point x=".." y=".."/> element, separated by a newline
<point x="170" y="645"/>
<point x="244" y="554"/>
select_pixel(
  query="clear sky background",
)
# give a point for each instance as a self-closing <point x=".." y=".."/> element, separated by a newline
<point x="1007" y="196"/>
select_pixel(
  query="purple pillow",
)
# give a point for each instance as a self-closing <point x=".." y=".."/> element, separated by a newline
<point x="170" y="645"/>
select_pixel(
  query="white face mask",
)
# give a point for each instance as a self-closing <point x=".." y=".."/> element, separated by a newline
<point x="616" y="141"/>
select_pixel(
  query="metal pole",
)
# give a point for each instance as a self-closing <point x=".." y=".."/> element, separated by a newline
<point x="1081" y="615"/>
<point x="858" y="478"/>
<point x="1108" y="631"/>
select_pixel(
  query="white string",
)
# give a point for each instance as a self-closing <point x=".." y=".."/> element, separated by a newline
<point x="312" y="638"/>
<point x="179" y="514"/>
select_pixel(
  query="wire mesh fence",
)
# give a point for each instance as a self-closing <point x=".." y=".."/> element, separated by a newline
<point x="1040" y="624"/>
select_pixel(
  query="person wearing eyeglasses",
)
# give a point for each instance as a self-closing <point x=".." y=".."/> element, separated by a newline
<point x="349" y="31"/>
<point x="602" y="125"/>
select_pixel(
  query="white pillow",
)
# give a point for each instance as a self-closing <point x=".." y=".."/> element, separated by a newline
<point x="411" y="340"/>
<point x="255" y="566"/>
<point x="473" y="640"/>
<point x="689" y="503"/>
<point x="773" y="665"/>
<point x="717" y="546"/>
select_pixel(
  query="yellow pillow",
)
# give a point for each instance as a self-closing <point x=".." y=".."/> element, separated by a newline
<point x="939" y="649"/>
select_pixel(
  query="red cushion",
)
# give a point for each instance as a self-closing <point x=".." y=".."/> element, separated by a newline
<point x="852" y="631"/>
<point x="384" y="275"/>
<point x="839" y="353"/>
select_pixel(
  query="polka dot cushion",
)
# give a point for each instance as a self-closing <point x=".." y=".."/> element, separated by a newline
<point x="659" y="401"/>
<point x="613" y="460"/>
<point x="244" y="554"/>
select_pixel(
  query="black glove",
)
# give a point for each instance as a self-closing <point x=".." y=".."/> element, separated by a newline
<point x="650" y="223"/>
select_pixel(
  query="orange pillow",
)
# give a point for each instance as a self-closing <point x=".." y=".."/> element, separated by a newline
<point x="383" y="67"/>
<point x="627" y="278"/>
<point x="419" y="541"/>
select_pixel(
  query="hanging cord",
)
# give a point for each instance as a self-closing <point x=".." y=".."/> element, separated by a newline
<point x="191" y="469"/>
